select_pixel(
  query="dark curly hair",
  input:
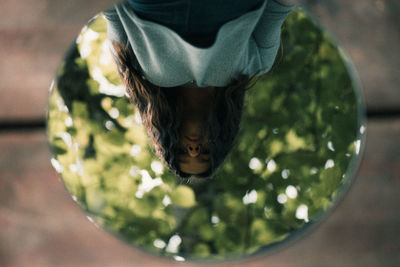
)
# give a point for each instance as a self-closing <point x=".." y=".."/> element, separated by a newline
<point x="161" y="117"/>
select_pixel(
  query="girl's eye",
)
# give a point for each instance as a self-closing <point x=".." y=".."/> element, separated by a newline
<point x="181" y="151"/>
<point x="205" y="150"/>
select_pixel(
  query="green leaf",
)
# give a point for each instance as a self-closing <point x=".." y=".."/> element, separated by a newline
<point x="183" y="196"/>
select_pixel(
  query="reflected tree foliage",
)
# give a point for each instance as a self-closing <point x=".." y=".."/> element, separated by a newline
<point x="298" y="148"/>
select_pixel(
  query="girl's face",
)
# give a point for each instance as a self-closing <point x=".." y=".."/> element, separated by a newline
<point x="194" y="153"/>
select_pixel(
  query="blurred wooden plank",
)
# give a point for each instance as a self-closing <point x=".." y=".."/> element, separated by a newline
<point x="41" y="226"/>
<point x="35" y="13"/>
<point x="36" y="33"/>
<point x="369" y="32"/>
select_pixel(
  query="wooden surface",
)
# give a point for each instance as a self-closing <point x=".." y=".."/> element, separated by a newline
<point x="35" y="33"/>
<point x="41" y="226"/>
<point x="34" y="36"/>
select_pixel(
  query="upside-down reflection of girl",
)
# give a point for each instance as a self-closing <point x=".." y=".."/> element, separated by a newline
<point x="186" y="65"/>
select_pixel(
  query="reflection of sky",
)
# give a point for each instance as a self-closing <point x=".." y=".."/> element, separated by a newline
<point x="178" y="258"/>
<point x="61" y="105"/>
<point x="302" y="213"/>
<point x="173" y="244"/>
<point x="282" y="198"/>
<point x="77" y="167"/>
<point x="105" y="57"/>
<point x="313" y="170"/>
<point x="255" y="164"/>
<point x="330" y="146"/>
<point x="357" y="144"/>
<point x="107" y="87"/>
<point x="166" y="201"/>
<point x="250" y="197"/>
<point x="157" y="167"/>
<point x="285" y="173"/>
<point x="69" y="122"/>
<point x="136" y="149"/>
<point x="138" y="119"/>
<point x="291" y="191"/>
<point x="271" y="165"/>
<point x="85" y="41"/>
<point x="147" y="184"/>
<point x="215" y="219"/>
<point x="114" y="113"/>
<point x="56" y="165"/>
<point x="158" y="243"/>
<point x="362" y="129"/>
<point x="109" y="125"/>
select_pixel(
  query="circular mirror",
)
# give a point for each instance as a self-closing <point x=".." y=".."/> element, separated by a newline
<point x="299" y="144"/>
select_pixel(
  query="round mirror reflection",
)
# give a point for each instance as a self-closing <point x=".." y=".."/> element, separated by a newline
<point x="299" y="144"/>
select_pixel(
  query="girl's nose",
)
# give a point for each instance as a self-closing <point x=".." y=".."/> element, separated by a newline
<point x="193" y="149"/>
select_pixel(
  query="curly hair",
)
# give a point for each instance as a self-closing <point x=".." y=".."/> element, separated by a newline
<point x="161" y="117"/>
